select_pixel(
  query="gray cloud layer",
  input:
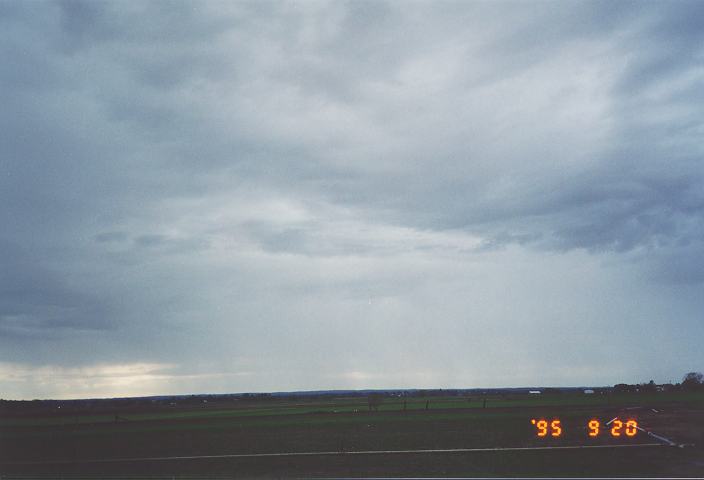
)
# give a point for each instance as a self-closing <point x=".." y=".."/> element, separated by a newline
<point x="270" y="196"/>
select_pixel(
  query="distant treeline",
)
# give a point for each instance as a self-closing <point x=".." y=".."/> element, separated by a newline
<point x="215" y="399"/>
<point x="692" y="381"/>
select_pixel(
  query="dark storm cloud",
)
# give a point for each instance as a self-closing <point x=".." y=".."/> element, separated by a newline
<point x="606" y="210"/>
<point x="643" y="192"/>
<point x="37" y="302"/>
<point x="209" y="184"/>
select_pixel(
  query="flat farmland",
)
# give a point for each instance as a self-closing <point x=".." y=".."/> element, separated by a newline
<point x="341" y="437"/>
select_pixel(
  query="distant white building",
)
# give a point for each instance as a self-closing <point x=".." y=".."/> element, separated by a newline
<point x="588" y="391"/>
<point x="534" y="392"/>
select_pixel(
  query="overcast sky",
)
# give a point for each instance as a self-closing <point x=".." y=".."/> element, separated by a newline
<point x="206" y="198"/>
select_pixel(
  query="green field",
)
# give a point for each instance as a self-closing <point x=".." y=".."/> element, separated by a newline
<point x="29" y="443"/>
<point x="354" y="404"/>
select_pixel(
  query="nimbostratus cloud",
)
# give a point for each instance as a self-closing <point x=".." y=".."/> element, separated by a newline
<point x="270" y="196"/>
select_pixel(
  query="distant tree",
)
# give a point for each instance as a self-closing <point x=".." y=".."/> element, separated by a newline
<point x="693" y="381"/>
<point x="622" y="388"/>
<point x="649" y="387"/>
<point x="374" y="400"/>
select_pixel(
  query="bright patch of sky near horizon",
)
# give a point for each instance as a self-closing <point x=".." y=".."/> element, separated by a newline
<point x="203" y="197"/>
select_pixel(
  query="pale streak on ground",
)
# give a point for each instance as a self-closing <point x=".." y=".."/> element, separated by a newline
<point x="360" y="452"/>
